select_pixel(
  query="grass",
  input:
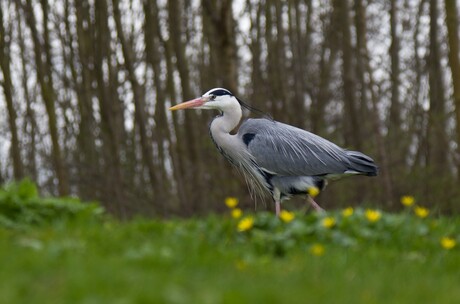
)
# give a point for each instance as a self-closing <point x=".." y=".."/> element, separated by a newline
<point x="85" y="257"/>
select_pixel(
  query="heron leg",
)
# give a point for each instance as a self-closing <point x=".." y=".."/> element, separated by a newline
<point x="314" y="204"/>
<point x="277" y="199"/>
<point x="277" y="208"/>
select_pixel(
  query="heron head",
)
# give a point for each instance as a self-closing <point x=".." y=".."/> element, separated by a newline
<point x="218" y="99"/>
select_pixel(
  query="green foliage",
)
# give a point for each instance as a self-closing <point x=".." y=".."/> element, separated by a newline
<point x="404" y="231"/>
<point x="22" y="207"/>
<point x="352" y="256"/>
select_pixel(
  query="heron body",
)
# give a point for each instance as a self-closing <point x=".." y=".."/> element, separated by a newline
<point x="276" y="158"/>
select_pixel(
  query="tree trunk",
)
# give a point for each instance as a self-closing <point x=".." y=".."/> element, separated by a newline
<point x="352" y="130"/>
<point x="328" y="58"/>
<point x="182" y="184"/>
<point x="112" y="125"/>
<point x="140" y="107"/>
<point x="44" y="77"/>
<point x="360" y="55"/>
<point x="276" y="61"/>
<point x="454" y="63"/>
<point x="30" y="124"/>
<point x="258" y="96"/>
<point x="300" y="45"/>
<point x="395" y="109"/>
<point x="153" y="43"/>
<point x="82" y="77"/>
<point x="437" y="137"/>
<point x="7" y="84"/>
<point x="364" y="67"/>
<point x="221" y="15"/>
<point x="417" y="123"/>
<point x="188" y="148"/>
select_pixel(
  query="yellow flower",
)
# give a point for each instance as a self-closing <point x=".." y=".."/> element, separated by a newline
<point x="407" y="200"/>
<point x="347" y="212"/>
<point x="231" y="202"/>
<point x="236" y="213"/>
<point x="448" y="243"/>
<point x="328" y="222"/>
<point x="373" y="215"/>
<point x="245" y="224"/>
<point x="317" y="249"/>
<point x="313" y="191"/>
<point x="286" y="216"/>
<point x="421" y="212"/>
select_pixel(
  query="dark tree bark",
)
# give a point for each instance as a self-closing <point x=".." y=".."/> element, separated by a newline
<point x="139" y="103"/>
<point x="454" y="62"/>
<point x="418" y="117"/>
<point x="328" y="58"/>
<point x="190" y="145"/>
<point x="82" y="78"/>
<point x="300" y="44"/>
<point x="352" y="126"/>
<point x="8" y="89"/>
<point x="369" y="87"/>
<point x="153" y="44"/>
<point x="221" y="16"/>
<point x="276" y="63"/>
<point x="45" y="79"/>
<point x="110" y="107"/>
<point x="362" y="88"/>
<point x="395" y="109"/>
<point x="30" y="124"/>
<point x="437" y="138"/>
<point x="258" y="93"/>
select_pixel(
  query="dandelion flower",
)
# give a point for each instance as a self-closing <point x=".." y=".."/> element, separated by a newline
<point x="407" y="200"/>
<point x="286" y="216"/>
<point x="448" y="243"/>
<point x="373" y="215"/>
<point x="347" y="212"/>
<point x="328" y="222"/>
<point x="236" y="213"/>
<point x="421" y="212"/>
<point x="317" y="249"/>
<point x="246" y="224"/>
<point x="231" y="202"/>
<point x="313" y="191"/>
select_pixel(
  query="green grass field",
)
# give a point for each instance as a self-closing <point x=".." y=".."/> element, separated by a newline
<point x="64" y="251"/>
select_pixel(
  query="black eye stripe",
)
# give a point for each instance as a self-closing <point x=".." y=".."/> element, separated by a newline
<point x="220" y="92"/>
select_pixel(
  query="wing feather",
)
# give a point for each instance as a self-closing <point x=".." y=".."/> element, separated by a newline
<point x="287" y="150"/>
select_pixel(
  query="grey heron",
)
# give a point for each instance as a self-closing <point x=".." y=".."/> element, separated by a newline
<point x="276" y="158"/>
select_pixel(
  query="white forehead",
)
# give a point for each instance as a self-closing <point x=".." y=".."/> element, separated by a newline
<point x="218" y="92"/>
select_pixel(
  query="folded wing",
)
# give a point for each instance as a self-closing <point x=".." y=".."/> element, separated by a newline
<point x="286" y="150"/>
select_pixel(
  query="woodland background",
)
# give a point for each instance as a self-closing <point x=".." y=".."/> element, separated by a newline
<point x="85" y="87"/>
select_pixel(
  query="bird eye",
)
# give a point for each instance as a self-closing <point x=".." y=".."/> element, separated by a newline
<point x="212" y="97"/>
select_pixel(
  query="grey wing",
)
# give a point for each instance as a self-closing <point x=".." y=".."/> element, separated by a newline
<point x="287" y="150"/>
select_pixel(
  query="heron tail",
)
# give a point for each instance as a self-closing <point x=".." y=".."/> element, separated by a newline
<point x="362" y="164"/>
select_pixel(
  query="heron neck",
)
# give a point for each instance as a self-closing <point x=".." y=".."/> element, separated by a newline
<point x="225" y="123"/>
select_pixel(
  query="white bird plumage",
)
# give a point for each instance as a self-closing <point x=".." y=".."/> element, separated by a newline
<point x="276" y="158"/>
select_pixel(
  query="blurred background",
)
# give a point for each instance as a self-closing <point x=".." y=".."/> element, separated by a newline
<point x="85" y="88"/>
